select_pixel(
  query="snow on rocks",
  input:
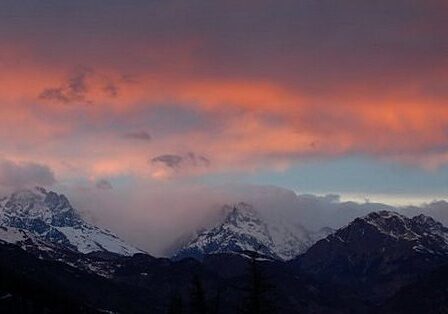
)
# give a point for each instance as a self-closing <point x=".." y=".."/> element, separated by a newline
<point x="48" y="216"/>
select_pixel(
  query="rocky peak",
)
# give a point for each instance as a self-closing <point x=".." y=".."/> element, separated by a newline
<point x="55" y="201"/>
<point x="240" y="214"/>
<point x="381" y="229"/>
<point x="423" y="221"/>
<point x="22" y="200"/>
<point x="42" y="206"/>
<point x="419" y="228"/>
<point x="50" y="216"/>
<point x="390" y="223"/>
<point x="243" y="229"/>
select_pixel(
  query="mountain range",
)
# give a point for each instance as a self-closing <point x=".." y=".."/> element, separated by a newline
<point x="53" y="261"/>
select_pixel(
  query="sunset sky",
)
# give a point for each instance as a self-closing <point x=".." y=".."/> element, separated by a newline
<point x="317" y="96"/>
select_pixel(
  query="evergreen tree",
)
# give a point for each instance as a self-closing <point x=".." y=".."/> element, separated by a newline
<point x="217" y="300"/>
<point x="176" y="304"/>
<point x="198" y="301"/>
<point x="257" y="301"/>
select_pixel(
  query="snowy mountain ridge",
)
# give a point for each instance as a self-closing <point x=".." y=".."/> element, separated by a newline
<point x="425" y="233"/>
<point x="47" y="216"/>
<point x="243" y="229"/>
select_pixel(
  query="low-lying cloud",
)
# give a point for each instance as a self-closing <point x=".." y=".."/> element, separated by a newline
<point x="155" y="216"/>
<point x="17" y="175"/>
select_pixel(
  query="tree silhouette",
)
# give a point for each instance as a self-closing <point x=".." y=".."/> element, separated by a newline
<point x="257" y="301"/>
<point x="176" y="304"/>
<point x="198" y="301"/>
<point x="216" y="306"/>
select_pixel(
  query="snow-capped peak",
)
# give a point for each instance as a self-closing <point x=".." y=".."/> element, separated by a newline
<point x="240" y="213"/>
<point x="391" y="223"/>
<point x="50" y="217"/>
<point x="244" y="229"/>
<point x="241" y="230"/>
<point x="422" y="233"/>
<point x="40" y="206"/>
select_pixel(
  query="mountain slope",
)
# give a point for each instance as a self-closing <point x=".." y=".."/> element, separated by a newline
<point x="49" y="217"/>
<point x="243" y="229"/>
<point x="376" y="254"/>
<point x="428" y="294"/>
<point x="143" y="284"/>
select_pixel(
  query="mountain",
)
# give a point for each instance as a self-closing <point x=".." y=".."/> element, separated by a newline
<point x="243" y="229"/>
<point x="47" y="219"/>
<point x="381" y="263"/>
<point x="143" y="284"/>
<point x="377" y="254"/>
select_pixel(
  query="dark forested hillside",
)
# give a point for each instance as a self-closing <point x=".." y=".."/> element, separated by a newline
<point x="383" y="262"/>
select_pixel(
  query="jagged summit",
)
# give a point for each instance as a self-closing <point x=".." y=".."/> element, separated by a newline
<point x="240" y="213"/>
<point x="39" y="206"/>
<point x="422" y="230"/>
<point x="244" y="229"/>
<point x="378" y="240"/>
<point x="371" y="250"/>
<point x="241" y="230"/>
<point x="378" y="253"/>
<point x="50" y="216"/>
<point x="391" y="223"/>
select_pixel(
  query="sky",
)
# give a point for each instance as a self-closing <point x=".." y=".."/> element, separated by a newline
<point x="115" y="98"/>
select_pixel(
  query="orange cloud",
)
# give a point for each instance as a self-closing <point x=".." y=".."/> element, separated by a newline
<point x="265" y="121"/>
<point x="389" y="127"/>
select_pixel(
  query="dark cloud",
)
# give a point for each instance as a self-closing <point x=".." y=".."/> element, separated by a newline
<point x="177" y="161"/>
<point x="74" y="90"/>
<point x="77" y="83"/>
<point x="197" y="160"/>
<point x="20" y="175"/>
<point x="139" y="135"/>
<point x="170" y="161"/>
<point x="56" y="95"/>
<point x="104" y="184"/>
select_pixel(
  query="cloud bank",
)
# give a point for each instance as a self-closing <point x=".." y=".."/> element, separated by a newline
<point x="308" y="80"/>
<point x="24" y="174"/>
<point x="182" y="93"/>
<point x="157" y="216"/>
